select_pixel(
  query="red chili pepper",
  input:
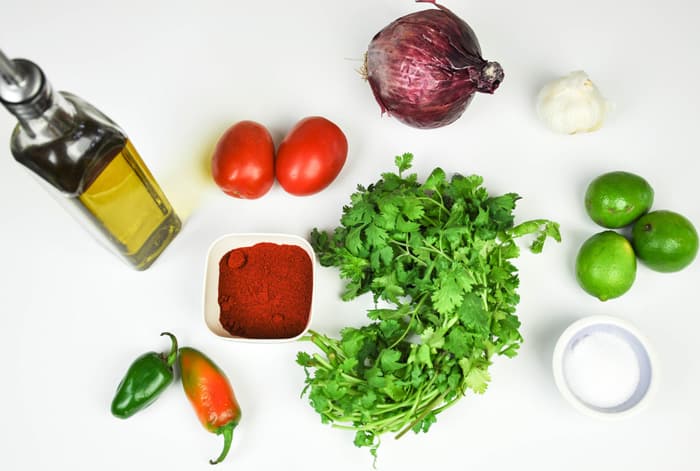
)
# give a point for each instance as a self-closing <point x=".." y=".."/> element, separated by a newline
<point x="211" y="395"/>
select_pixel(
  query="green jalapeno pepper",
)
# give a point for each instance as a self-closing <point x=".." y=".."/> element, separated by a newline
<point x="144" y="381"/>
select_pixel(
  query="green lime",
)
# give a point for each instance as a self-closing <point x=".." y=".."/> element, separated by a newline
<point x="665" y="241"/>
<point x="606" y="265"/>
<point x="616" y="199"/>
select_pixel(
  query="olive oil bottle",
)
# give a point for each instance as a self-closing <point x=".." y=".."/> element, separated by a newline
<point x="89" y="163"/>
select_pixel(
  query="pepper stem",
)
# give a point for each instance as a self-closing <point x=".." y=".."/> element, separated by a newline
<point x="227" y="432"/>
<point x="172" y="356"/>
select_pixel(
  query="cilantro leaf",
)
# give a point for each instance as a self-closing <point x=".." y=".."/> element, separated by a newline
<point x="434" y="181"/>
<point x="451" y="286"/>
<point x="478" y="380"/>
<point x="403" y="162"/>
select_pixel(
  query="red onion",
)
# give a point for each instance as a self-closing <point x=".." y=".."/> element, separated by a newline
<point x="424" y="68"/>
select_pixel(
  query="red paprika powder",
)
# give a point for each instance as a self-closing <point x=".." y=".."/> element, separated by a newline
<point x="265" y="291"/>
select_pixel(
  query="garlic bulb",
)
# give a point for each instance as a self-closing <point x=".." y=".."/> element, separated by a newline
<point x="572" y="104"/>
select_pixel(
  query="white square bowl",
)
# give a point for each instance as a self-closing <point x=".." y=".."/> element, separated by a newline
<point x="221" y="247"/>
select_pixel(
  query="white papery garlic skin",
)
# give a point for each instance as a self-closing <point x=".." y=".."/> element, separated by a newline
<point x="572" y="104"/>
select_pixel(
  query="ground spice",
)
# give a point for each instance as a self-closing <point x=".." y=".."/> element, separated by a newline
<point x="265" y="291"/>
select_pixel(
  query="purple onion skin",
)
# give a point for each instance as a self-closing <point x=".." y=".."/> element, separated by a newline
<point x="425" y="67"/>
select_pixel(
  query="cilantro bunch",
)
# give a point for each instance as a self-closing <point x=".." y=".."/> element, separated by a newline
<point x="438" y="254"/>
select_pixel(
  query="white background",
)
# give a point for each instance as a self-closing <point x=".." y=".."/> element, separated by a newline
<point x="175" y="75"/>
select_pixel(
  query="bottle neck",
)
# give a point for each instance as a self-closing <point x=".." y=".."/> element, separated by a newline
<point x="57" y="119"/>
<point x="42" y="113"/>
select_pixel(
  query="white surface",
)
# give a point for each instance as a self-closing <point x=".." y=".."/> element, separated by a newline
<point x="176" y="74"/>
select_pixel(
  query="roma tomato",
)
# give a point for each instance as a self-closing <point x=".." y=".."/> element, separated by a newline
<point x="311" y="156"/>
<point x="243" y="164"/>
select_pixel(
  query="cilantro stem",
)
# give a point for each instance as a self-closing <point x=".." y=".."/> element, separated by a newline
<point x="328" y="347"/>
<point x="396" y="421"/>
<point x="437" y="250"/>
<point x="448" y="404"/>
<point x="407" y="251"/>
<point x="352" y="378"/>
<point x="428" y="409"/>
<point x="440" y="204"/>
<point x="410" y="321"/>
<point x="420" y="399"/>
<point x="430" y="220"/>
<point x="321" y="361"/>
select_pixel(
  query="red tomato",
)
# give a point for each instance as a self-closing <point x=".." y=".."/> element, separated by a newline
<point x="310" y="156"/>
<point x="243" y="164"/>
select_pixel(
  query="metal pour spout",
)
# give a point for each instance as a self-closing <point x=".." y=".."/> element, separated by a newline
<point x="7" y="70"/>
<point x="24" y="90"/>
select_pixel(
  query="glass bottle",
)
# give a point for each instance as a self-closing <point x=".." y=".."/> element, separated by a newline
<point x="88" y="161"/>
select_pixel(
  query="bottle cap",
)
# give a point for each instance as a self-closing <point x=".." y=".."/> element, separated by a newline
<point x="24" y="90"/>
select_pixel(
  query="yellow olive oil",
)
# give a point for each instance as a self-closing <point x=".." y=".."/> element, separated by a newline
<point x="126" y="200"/>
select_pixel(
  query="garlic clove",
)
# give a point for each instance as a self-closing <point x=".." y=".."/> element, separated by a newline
<point x="572" y="104"/>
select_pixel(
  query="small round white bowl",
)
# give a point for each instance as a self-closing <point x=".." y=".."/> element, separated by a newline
<point x="645" y="357"/>
<point x="217" y="250"/>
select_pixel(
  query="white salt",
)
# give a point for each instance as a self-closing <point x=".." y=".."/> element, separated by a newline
<point x="601" y="369"/>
